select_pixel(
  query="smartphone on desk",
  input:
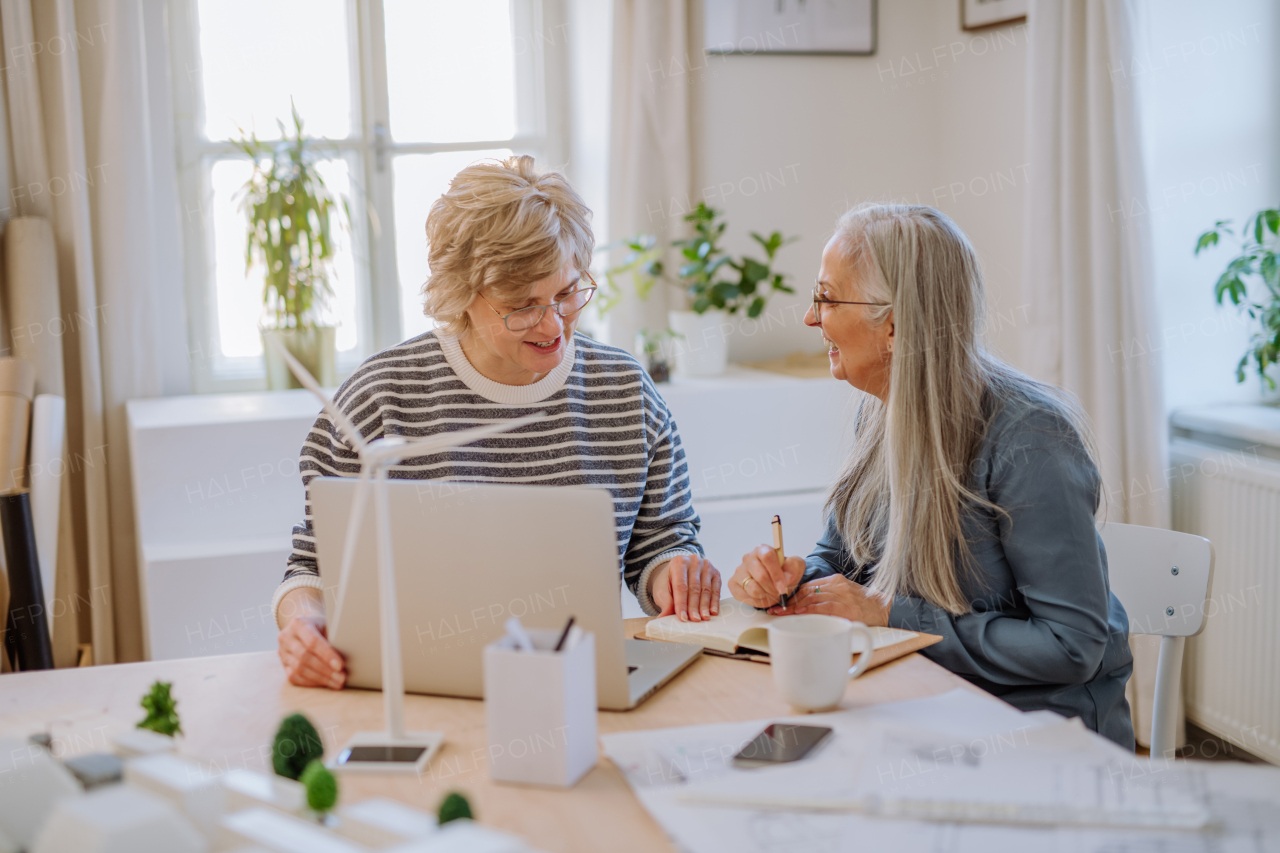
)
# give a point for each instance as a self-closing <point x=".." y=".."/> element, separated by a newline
<point x="780" y="743"/>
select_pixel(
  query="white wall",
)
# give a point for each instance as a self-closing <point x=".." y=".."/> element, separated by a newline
<point x="1207" y="73"/>
<point x="934" y="117"/>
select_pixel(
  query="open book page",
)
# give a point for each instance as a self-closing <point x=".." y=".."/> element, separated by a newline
<point x="742" y="626"/>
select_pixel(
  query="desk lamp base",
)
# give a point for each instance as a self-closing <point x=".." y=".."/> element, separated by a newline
<point x="379" y="752"/>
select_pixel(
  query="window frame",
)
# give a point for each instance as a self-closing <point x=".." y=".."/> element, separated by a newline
<point x="541" y="101"/>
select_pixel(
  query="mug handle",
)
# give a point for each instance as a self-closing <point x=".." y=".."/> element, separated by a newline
<point x="864" y="659"/>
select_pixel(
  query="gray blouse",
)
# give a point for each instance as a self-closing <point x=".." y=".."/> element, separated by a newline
<point x="1045" y="630"/>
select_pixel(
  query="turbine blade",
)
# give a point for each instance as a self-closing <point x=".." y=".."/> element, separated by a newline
<point x="436" y="443"/>
<point x="349" y="546"/>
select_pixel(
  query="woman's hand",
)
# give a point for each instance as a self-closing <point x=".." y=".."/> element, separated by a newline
<point x="303" y="643"/>
<point x="836" y="595"/>
<point x="761" y="580"/>
<point x="688" y="586"/>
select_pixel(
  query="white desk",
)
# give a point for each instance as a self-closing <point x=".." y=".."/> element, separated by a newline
<point x="231" y="705"/>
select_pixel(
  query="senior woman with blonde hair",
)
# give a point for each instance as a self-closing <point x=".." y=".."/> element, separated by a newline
<point x="966" y="507"/>
<point x="509" y="249"/>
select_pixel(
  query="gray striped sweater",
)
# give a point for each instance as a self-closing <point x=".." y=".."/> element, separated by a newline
<point x="607" y="427"/>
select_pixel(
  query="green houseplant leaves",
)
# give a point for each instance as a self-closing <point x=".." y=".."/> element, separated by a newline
<point x="1257" y="260"/>
<point x="642" y="262"/>
<point x="290" y="226"/>
<point x="710" y="277"/>
<point x="714" y="279"/>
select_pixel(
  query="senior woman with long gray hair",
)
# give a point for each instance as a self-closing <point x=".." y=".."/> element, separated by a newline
<point x="509" y="249"/>
<point x="966" y="507"/>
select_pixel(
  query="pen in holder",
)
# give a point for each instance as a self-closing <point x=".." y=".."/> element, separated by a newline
<point x="540" y="707"/>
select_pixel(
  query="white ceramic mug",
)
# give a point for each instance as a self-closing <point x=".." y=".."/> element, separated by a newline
<point x="809" y="655"/>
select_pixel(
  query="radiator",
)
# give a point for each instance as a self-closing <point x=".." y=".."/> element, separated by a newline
<point x="1231" y="496"/>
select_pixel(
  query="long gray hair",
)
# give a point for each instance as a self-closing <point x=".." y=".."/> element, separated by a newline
<point x="901" y="496"/>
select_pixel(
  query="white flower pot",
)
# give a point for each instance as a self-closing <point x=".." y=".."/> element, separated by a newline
<point x="701" y="345"/>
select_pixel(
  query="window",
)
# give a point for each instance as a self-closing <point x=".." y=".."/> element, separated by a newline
<point x="404" y="92"/>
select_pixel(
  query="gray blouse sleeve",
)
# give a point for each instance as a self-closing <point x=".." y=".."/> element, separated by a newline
<point x="1042" y="479"/>
<point x="828" y="556"/>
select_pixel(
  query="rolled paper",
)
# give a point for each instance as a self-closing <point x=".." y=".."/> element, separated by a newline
<point x="26" y="637"/>
<point x="45" y="476"/>
<point x="17" y="388"/>
<point x="34" y="324"/>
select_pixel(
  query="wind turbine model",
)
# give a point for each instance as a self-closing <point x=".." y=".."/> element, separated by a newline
<point x="394" y="748"/>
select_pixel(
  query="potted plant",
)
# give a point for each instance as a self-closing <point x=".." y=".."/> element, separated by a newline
<point x="1256" y="259"/>
<point x="654" y="351"/>
<point x="642" y="266"/>
<point x="717" y="286"/>
<point x="290" y="215"/>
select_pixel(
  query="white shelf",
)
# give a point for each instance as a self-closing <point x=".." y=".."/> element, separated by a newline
<point x="228" y="547"/>
<point x="212" y="409"/>
<point x="1229" y="425"/>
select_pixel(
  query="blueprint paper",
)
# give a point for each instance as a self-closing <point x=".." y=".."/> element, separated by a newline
<point x="957" y="745"/>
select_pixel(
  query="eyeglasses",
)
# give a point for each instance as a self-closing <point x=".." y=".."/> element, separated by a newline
<point x="526" y="318"/>
<point x="819" y="300"/>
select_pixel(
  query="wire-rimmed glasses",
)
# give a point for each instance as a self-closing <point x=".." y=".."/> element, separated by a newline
<point x="819" y="300"/>
<point x="526" y="318"/>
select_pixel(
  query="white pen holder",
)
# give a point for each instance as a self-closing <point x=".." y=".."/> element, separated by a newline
<point x="541" y="710"/>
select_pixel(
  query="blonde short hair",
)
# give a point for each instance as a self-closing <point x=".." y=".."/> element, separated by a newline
<point x="500" y="227"/>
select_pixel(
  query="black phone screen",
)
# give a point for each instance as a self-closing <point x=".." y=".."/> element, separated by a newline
<point x="780" y="743"/>
<point x="389" y="754"/>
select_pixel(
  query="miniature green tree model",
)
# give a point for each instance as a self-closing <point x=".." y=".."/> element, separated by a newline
<point x="297" y="744"/>
<point x="322" y="788"/>
<point x="162" y="710"/>
<point x="452" y="807"/>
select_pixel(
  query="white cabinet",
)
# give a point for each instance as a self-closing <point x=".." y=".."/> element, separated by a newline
<point x="753" y="433"/>
<point x="758" y="444"/>
<point x="217" y="492"/>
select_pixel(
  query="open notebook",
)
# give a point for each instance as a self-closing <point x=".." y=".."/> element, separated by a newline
<point x="741" y="627"/>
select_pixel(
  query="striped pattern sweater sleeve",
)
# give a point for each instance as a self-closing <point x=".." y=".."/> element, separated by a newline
<point x="607" y="427"/>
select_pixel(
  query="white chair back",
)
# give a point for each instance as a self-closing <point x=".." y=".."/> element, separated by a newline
<point x="1163" y="578"/>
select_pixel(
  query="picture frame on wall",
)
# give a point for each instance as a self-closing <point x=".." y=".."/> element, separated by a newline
<point x="824" y="27"/>
<point x="980" y="14"/>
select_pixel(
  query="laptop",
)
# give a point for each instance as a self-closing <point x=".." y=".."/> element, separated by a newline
<point x="468" y="556"/>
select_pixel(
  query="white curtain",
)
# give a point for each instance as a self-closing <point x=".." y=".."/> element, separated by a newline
<point x="1087" y="263"/>
<point x="91" y="115"/>
<point x="650" y="143"/>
